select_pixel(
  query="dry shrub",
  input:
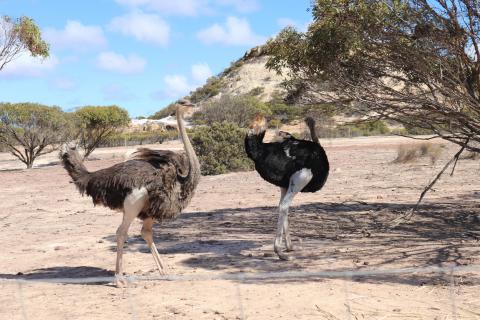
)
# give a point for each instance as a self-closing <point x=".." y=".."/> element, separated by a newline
<point x="471" y="156"/>
<point x="412" y="153"/>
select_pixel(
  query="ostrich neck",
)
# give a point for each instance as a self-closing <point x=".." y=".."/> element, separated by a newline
<point x="194" y="165"/>
<point x="313" y="133"/>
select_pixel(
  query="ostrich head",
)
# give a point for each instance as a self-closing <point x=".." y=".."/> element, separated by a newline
<point x="310" y="122"/>
<point x="182" y="105"/>
<point x="259" y="124"/>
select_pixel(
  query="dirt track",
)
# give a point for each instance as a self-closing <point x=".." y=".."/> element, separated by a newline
<point x="47" y="230"/>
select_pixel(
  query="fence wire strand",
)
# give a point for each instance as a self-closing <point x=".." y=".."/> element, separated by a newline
<point x="22" y="300"/>
<point x="244" y="277"/>
<point x="452" y="294"/>
<point x="254" y="276"/>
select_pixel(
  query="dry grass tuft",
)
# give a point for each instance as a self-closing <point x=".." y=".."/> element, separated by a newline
<point x="415" y="152"/>
<point x="471" y="156"/>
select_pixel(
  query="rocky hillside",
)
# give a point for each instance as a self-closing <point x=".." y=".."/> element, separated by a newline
<point x="247" y="75"/>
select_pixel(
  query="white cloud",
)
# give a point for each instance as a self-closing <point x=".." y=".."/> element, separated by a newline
<point x="144" y="27"/>
<point x="25" y="66"/>
<point x="236" y="31"/>
<point x="112" y="61"/>
<point x="76" y="36"/>
<point x="177" y="86"/>
<point x="190" y="7"/>
<point x="200" y="73"/>
<point x="285" y="22"/>
<point x="173" y="7"/>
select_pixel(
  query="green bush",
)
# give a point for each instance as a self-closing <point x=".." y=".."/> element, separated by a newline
<point x="285" y="113"/>
<point x="236" y="109"/>
<point x="365" y="128"/>
<point x="220" y="148"/>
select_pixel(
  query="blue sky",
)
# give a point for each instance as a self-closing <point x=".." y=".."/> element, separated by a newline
<point x="138" y="54"/>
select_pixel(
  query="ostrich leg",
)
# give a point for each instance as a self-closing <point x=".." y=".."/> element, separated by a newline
<point x="147" y="234"/>
<point x="286" y="230"/>
<point x="298" y="181"/>
<point x="132" y="205"/>
<point x="122" y="234"/>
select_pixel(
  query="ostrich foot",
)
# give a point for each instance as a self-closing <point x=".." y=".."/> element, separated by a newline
<point x="288" y="245"/>
<point x="282" y="255"/>
<point x="120" y="281"/>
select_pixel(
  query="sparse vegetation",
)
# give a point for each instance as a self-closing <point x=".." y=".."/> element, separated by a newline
<point x="283" y="112"/>
<point x="220" y="148"/>
<point x="210" y="89"/>
<point x="256" y="91"/>
<point x="365" y="128"/>
<point x="411" y="153"/>
<point x="236" y="109"/>
<point x="165" y="112"/>
<point x="29" y="130"/>
<point x="471" y="156"/>
<point x="138" y="138"/>
<point x="234" y="65"/>
<point x="96" y="123"/>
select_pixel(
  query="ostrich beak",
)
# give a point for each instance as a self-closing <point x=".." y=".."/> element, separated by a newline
<point x="185" y="103"/>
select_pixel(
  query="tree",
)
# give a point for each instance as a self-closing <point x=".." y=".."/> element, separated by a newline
<point x="416" y="62"/>
<point x="97" y="123"/>
<point x="29" y="130"/>
<point x="20" y="35"/>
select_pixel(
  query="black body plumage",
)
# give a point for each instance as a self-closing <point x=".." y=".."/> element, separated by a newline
<point x="276" y="162"/>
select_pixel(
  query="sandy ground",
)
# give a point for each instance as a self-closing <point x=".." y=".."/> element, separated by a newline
<point x="47" y="230"/>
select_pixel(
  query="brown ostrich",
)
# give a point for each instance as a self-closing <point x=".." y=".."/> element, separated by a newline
<point x="153" y="185"/>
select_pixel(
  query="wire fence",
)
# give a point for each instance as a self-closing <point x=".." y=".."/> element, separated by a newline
<point x="448" y="273"/>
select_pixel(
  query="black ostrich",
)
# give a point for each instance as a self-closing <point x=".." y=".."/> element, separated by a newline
<point x="293" y="165"/>
<point x="153" y="185"/>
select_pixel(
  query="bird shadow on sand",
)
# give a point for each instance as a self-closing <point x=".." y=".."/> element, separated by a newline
<point x="61" y="273"/>
<point x="338" y="237"/>
<point x="328" y="237"/>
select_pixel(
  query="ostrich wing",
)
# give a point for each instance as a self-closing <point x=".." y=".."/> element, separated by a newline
<point x="155" y="170"/>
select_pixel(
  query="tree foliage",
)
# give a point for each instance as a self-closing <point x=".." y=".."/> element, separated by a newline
<point x="96" y="123"/>
<point x="413" y="61"/>
<point x="29" y="130"/>
<point x="220" y="148"/>
<point x="20" y="35"/>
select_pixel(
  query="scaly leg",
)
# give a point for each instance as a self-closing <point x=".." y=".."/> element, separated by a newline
<point x="147" y="234"/>
<point x="122" y="234"/>
<point x="298" y="181"/>
<point x="286" y="230"/>
<point x="132" y="206"/>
